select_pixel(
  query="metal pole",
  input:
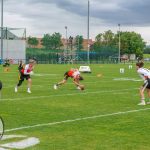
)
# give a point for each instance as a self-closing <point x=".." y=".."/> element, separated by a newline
<point x="88" y="44"/>
<point x="66" y="42"/>
<point x="2" y="30"/>
<point x="66" y="35"/>
<point x="78" y="48"/>
<point x="119" y="44"/>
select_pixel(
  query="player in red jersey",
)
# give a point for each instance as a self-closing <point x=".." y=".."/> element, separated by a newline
<point x="72" y="73"/>
<point x="25" y="74"/>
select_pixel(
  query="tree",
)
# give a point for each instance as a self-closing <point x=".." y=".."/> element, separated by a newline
<point x="105" y="39"/>
<point x="108" y="38"/>
<point x="139" y="53"/>
<point x="46" y="41"/>
<point x="79" y="42"/>
<point x="32" y="41"/>
<point x="52" y="41"/>
<point x="99" y="38"/>
<point x="56" y="41"/>
<point x="131" y="43"/>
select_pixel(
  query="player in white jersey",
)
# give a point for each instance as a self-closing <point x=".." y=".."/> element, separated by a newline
<point x="25" y="74"/>
<point x="145" y="75"/>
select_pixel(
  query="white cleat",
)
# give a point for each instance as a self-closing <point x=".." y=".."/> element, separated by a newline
<point x="16" y="89"/>
<point x="55" y="87"/>
<point x="142" y="103"/>
<point x="29" y="91"/>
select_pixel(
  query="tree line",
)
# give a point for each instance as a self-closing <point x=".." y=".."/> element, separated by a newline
<point x="54" y="41"/>
<point x="107" y="42"/>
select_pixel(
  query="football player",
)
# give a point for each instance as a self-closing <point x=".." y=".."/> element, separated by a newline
<point x="75" y="75"/>
<point x="25" y="73"/>
<point x="145" y="75"/>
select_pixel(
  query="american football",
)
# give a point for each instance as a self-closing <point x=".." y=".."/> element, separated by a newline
<point x="82" y="87"/>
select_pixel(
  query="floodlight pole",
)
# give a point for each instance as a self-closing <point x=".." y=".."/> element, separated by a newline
<point x="88" y="43"/>
<point x="66" y="37"/>
<point x="66" y="49"/>
<point x="119" y="44"/>
<point x="78" y="43"/>
<point x="1" y="29"/>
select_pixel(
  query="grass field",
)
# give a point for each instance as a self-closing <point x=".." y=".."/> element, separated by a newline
<point x="105" y="116"/>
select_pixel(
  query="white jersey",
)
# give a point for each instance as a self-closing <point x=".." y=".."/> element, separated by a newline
<point x="76" y="74"/>
<point x="144" y="73"/>
<point x="27" y="70"/>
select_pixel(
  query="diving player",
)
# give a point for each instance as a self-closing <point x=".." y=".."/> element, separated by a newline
<point x="75" y="75"/>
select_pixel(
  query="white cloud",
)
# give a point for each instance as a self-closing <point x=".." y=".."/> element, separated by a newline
<point x="49" y="16"/>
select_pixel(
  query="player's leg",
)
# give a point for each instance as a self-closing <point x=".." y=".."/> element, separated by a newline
<point x="21" y="79"/>
<point x="78" y="86"/>
<point x="142" y="89"/>
<point x="148" y="91"/>
<point x="61" y="82"/>
<point x="29" y="84"/>
<point x="76" y="82"/>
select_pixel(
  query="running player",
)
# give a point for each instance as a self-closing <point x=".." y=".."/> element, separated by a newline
<point x="25" y="74"/>
<point x="72" y="73"/>
<point x="145" y="75"/>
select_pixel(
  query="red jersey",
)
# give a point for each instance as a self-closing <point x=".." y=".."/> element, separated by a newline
<point x="70" y="73"/>
<point x="74" y="73"/>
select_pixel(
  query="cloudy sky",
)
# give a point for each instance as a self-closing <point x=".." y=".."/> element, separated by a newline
<point x="49" y="16"/>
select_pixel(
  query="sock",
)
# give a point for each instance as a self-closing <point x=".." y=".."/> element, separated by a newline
<point x="143" y="100"/>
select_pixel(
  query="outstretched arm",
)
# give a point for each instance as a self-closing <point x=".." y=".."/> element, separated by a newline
<point x="76" y="82"/>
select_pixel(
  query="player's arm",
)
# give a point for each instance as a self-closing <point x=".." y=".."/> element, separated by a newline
<point x="76" y="82"/>
<point x="143" y="74"/>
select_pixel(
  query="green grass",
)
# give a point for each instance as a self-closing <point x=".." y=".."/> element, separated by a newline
<point x="102" y="96"/>
<point x="146" y="55"/>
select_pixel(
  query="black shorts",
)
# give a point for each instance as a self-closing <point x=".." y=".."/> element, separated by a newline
<point x="66" y="76"/>
<point x="23" y="76"/>
<point x="147" y="84"/>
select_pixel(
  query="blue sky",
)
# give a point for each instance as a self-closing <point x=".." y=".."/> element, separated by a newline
<point x="49" y="16"/>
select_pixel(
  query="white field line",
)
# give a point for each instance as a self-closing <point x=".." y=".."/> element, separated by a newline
<point x="51" y="84"/>
<point x="71" y="94"/>
<point x="74" y="120"/>
<point x="119" y="93"/>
